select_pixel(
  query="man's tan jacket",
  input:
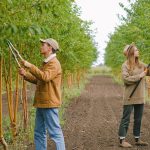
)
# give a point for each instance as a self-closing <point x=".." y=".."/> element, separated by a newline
<point x="48" y="84"/>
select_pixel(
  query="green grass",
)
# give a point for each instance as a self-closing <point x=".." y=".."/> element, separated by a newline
<point x="100" y="70"/>
<point x="117" y="79"/>
<point x="24" y="137"/>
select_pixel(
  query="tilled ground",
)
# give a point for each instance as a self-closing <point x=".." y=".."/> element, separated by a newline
<point x="92" y="119"/>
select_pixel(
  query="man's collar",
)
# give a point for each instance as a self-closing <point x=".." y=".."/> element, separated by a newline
<point x="49" y="58"/>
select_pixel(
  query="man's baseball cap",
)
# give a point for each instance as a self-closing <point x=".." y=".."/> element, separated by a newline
<point x="51" y="42"/>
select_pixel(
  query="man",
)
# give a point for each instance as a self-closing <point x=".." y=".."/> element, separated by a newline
<point x="47" y="98"/>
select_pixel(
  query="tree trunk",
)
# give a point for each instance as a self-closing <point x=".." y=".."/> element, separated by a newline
<point x="2" y="140"/>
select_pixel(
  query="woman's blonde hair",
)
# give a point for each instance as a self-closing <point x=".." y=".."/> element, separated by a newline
<point x="125" y="50"/>
<point x="132" y="61"/>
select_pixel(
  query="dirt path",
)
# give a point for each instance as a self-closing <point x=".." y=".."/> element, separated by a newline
<point x="92" y="119"/>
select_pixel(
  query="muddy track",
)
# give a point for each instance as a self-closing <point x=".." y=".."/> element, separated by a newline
<point x="93" y="118"/>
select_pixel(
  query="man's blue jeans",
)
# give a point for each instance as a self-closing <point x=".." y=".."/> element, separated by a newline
<point x="47" y="119"/>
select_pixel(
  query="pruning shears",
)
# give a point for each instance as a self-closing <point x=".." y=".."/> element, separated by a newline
<point x="15" y="53"/>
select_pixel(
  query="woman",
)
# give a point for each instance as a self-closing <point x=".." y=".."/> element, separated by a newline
<point x="132" y="71"/>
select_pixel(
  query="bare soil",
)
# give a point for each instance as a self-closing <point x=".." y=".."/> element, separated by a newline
<point x="92" y="119"/>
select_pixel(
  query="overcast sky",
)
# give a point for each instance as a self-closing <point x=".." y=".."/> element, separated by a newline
<point x="104" y="15"/>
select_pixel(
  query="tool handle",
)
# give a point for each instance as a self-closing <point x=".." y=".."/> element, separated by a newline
<point x="14" y="55"/>
<point x="16" y="51"/>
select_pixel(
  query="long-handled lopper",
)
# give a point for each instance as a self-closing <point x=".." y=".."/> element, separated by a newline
<point x="15" y="53"/>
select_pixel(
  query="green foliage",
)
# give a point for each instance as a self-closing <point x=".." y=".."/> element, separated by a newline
<point x="135" y="28"/>
<point x="25" y="22"/>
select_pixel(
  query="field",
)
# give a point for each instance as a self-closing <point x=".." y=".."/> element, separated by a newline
<point x="92" y="119"/>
